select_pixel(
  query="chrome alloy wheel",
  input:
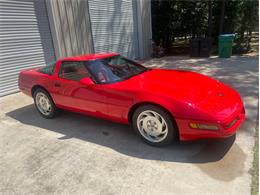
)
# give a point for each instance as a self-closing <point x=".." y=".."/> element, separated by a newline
<point x="43" y="103"/>
<point x="152" y="126"/>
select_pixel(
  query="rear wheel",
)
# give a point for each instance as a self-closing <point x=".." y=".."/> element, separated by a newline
<point x="154" y="125"/>
<point x="44" y="103"/>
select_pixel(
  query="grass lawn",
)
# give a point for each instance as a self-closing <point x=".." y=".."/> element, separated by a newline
<point x="255" y="168"/>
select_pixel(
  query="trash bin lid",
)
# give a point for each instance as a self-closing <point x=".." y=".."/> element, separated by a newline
<point x="226" y="37"/>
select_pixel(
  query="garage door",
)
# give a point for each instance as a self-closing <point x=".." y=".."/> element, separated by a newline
<point x="113" y="26"/>
<point x="25" y="40"/>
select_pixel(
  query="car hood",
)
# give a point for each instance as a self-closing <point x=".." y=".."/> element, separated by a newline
<point x="195" y="90"/>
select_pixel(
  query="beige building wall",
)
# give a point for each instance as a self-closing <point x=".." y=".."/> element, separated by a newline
<point x="144" y="28"/>
<point x="70" y="26"/>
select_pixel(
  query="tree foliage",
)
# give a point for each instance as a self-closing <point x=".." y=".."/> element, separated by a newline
<point x="175" y="18"/>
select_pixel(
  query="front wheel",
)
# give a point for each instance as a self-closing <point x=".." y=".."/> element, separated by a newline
<point x="44" y="103"/>
<point x="154" y="125"/>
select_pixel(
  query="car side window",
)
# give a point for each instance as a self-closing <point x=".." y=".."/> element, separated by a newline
<point x="73" y="71"/>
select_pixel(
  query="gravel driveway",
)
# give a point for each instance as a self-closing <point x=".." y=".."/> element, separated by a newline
<point x="75" y="154"/>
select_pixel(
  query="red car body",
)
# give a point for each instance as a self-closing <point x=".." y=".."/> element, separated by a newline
<point x="188" y="96"/>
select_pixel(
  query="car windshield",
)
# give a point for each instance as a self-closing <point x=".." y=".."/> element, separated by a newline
<point x="113" y="69"/>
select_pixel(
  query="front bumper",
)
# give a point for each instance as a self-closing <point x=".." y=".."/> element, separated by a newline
<point x="226" y="128"/>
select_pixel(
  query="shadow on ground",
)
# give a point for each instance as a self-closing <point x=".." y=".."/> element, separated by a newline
<point x="122" y="139"/>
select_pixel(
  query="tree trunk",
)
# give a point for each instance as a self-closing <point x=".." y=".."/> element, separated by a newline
<point x="222" y="15"/>
<point x="209" y="18"/>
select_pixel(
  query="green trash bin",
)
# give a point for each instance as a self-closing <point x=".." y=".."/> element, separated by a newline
<point x="225" y="43"/>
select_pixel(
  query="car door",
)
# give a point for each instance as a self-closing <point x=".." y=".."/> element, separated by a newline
<point x="74" y="95"/>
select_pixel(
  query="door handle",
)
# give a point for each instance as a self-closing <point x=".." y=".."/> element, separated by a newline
<point x="57" y="85"/>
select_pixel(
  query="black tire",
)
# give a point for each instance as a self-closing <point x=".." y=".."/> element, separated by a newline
<point x="54" y="111"/>
<point x="171" y="124"/>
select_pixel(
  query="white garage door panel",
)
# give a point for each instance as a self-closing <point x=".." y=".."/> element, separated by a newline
<point x="112" y="5"/>
<point x="113" y="26"/>
<point x="25" y="40"/>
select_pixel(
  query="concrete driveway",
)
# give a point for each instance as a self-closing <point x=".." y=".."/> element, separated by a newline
<point x="75" y="154"/>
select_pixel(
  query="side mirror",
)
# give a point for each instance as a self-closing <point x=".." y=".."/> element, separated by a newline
<point x="87" y="81"/>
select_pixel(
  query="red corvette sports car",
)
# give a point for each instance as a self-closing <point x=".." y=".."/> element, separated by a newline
<point x="162" y="105"/>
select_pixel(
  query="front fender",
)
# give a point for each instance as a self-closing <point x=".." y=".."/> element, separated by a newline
<point x="179" y="109"/>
